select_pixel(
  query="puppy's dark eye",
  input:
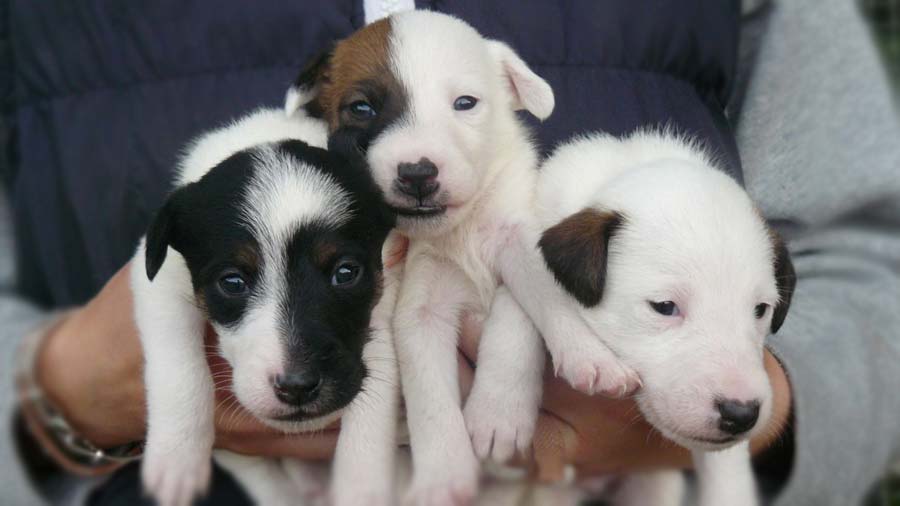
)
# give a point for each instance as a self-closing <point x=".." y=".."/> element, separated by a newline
<point x="362" y="110"/>
<point x="665" y="308"/>
<point x="760" y="310"/>
<point x="233" y="284"/>
<point x="464" y="103"/>
<point x="347" y="274"/>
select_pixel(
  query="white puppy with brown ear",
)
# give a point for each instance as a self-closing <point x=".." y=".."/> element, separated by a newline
<point x="431" y="105"/>
<point x="669" y="261"/>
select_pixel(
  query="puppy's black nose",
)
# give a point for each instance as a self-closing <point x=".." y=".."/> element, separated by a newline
<point x="418" y="179"/>
<point x="297" y="389"/>
<point x="737" y="417"/>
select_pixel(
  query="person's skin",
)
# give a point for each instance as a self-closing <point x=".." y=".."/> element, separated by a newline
<point x="91" y="367"/>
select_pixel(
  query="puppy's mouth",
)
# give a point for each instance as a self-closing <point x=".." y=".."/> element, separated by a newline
<point x="303" y="421"/>
<point x="419" y="211"/>
<point x="301" y="415"/>
<point x="713" y="441"/>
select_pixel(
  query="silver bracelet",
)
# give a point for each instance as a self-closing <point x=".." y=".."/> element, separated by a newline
<point x="47" y="423"/>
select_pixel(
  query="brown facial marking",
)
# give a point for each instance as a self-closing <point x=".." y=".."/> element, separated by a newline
<point x="785" y="279"/>
<point x="323" y="252"/>
<point x="576" y="251"/>
<point x="358" y="69"/>
<point x="246" y="256"/>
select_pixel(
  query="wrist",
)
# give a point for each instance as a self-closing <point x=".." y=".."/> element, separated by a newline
<point x="48" y="426"/>
<point x="70" y="373"/>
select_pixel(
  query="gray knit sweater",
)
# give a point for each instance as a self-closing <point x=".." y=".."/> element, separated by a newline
<point x="820" y="141"/>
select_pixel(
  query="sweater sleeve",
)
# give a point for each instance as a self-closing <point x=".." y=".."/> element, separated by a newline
<point x="818" y="136"/>
<point x="18" y="317"/>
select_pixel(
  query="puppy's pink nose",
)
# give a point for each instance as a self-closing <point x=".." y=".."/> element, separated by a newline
<point x="297" y="389"/>
<point x="418" y="179"/>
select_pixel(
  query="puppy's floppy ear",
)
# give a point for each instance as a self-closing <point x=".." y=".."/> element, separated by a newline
<point x="305" y="89"/>
<point x="163" y="230"/>
<point x="159" y="235"/>
<point x="527" y="89"/>
<point x="785" y="279"/>
<point x="576" y="251"/>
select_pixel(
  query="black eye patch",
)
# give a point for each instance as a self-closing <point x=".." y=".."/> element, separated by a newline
<point x="760" y="310"/>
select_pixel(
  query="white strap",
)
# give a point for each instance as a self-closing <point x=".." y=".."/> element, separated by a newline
<point x="377" y="9"/>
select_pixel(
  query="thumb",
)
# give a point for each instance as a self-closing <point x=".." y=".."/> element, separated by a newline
<point x="554" y="445"/>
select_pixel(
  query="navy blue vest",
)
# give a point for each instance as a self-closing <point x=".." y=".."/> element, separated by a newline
<point x="101" y="96"/>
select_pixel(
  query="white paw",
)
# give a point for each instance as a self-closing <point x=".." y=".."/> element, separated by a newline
<point x="176" y="478"/>
<point x="500" y="423"/>
<point x="592" y="368"/>
<point x="453" y="482"/>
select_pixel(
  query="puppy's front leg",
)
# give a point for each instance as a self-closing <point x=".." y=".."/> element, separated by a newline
<point x="363" y="471"/>
<point x="726" y="477"/>
<point x="657" y="488"/>
<point x="579" y="355"/>
<point x="177" y="457"/>
<point x="502" y="408"/>
<point x="425" y="326"/>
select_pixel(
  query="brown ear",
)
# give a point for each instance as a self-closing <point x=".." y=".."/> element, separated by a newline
<point x="576" y="251"/>
<point x="785" y="280"/>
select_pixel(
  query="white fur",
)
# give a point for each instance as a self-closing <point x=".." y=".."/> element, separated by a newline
<point x="690" y="235"/>
<point x="259" y="127"/>
<point x="176" y="464"/>
<point x="487" y="171"/>
<point x="180" y="400"/>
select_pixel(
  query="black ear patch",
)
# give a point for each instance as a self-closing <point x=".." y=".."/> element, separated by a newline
<point x="785" y="280"/>
<point x="576" y="251"/>
<point x="311" y="77"/>
<point x="159" y="235"/>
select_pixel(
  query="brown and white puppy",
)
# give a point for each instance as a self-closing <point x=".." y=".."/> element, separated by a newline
<point x="669" y="261"/>
<point x="431" y="105"/>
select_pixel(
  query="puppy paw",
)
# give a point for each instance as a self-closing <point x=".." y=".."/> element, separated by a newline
<point x="453" y="482"/>
<point x="176" y="478"/>
<point x="501" y="423"/>
<point x="592" y="368"/>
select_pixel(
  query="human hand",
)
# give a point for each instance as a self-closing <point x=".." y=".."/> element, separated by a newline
<point x="91" y="367"/>
<point x="601" y="436"/>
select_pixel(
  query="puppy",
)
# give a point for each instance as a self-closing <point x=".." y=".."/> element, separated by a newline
<point x="431" y="105"/>
<point x="277" y="244"/>
<point x="667" y="258"/>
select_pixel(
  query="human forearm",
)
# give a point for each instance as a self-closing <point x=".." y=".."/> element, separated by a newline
<point x="19" y="319"/>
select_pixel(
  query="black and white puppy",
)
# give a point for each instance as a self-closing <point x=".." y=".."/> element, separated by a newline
<point x="277" y="244"/>
<point x="668" y="259"/>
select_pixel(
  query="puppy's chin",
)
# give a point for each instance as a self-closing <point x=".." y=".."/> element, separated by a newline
<point x="694" y="436"/>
